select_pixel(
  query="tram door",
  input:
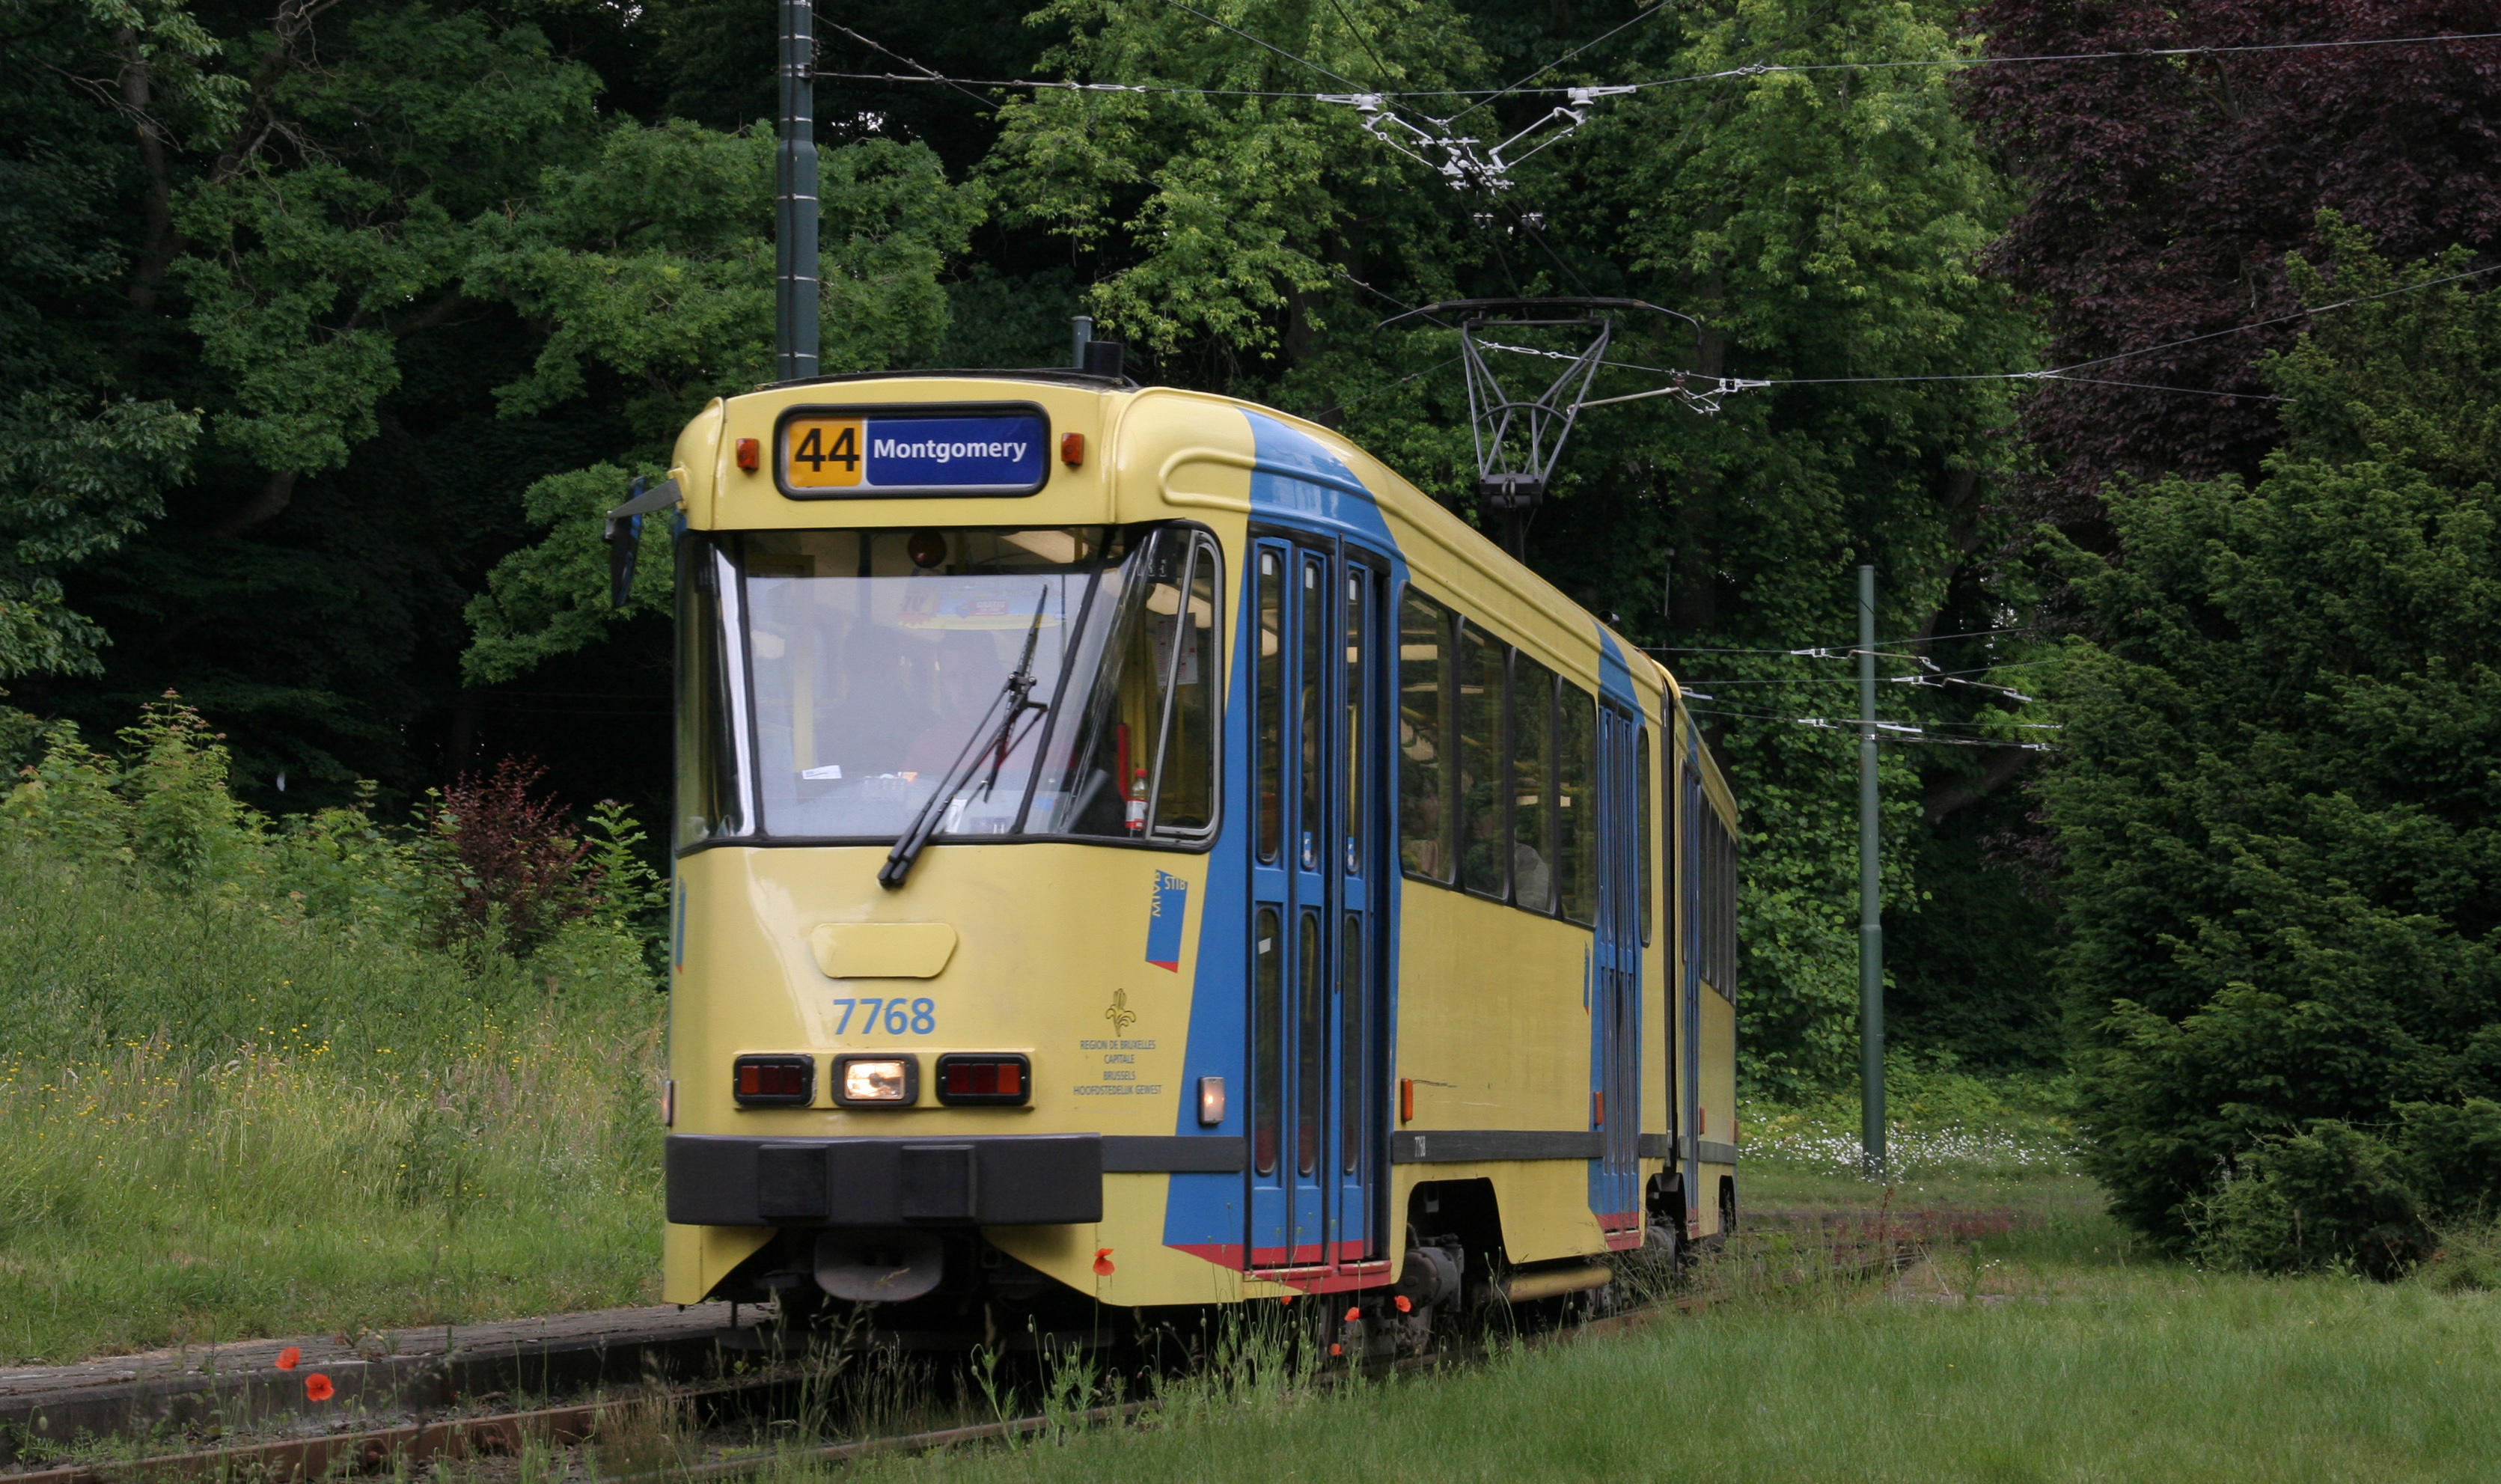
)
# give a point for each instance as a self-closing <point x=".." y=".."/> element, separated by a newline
<point x="1615" y="1009"/>
<point x="1317" y="881"/>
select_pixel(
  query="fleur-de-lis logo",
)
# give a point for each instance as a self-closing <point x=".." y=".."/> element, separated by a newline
<point x="1119" y="1015"/>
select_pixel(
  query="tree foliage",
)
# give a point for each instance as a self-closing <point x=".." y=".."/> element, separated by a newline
<point x="2277" y="789"/>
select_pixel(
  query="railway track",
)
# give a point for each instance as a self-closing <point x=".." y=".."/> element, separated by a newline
<point x="412" y="1398"/>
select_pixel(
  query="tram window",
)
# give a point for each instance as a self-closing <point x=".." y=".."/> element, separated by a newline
<point x="1575" y="803"/>
<point x="1271" y="704"/>
<point x="1350" y="704"/>
<point x="1647" y="828"/>
<point x="1532" y="784"/>
<point x="1718" y="866"/>
<point x="1268" y="1053"/>
<point x="1148" y="727"/>
<point x="1423" y="739"/>
<point x="869" y="690"/>
<point x="1485" y="828"/>
<point x="1185" y="793"/>
<point x="1311" y="1034"/>
<point x="1352" y="1116"/>
<point x="1311" y="813"/>
<point x="708" y="792"/>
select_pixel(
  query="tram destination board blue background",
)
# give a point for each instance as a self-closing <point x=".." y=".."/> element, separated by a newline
<point x="844" y="452"/>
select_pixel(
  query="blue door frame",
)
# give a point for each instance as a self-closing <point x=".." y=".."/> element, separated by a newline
<point x="1320" y="879"/>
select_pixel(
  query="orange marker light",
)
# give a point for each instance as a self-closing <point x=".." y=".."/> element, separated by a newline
<point x="1405" y="1099"/>
<point x="750" y="455"/>
<point x="1598" y="1109"/>
<point x="1071" y="448"/>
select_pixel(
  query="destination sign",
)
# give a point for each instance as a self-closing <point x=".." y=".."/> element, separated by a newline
<point x="827" y="455"/>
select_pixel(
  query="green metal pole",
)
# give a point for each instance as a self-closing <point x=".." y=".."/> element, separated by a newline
<point x="795" y="213"/>
<point x="1871" y="909"/>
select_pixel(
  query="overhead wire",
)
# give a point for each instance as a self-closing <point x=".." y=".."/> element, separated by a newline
<point x="1724" y="386"/>
<point x="1750" y="70"/>
<point x="928" y="74"/>
<point x="1639" y="16"/>
<point x="1707" y="400"/>
<point x="1256" y="41"/>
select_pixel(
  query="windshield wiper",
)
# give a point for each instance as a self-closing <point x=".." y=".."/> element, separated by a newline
<point x="1017" y="696"/>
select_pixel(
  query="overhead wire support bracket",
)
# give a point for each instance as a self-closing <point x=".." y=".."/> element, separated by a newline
<point x="1519" y="429"/>
<point x="1465" y="161"/>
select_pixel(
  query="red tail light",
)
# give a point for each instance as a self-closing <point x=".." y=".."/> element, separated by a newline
<point x="773" y="1082"/>
<point x="984" y="1078"/>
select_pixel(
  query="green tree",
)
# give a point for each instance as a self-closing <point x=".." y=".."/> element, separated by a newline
<point x="1818" y="225"/>
<point x="85" y="462"/>
<point x="2277" y="791"/>
<point x="409" y="264"/>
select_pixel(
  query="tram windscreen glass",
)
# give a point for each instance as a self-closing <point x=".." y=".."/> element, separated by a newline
<point x="876" y="664"/>
<point x="878" y="660"/>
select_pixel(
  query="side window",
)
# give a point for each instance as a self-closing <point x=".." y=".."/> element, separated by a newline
<point x="1718" y="867"/>
<point x="1484" y="831"/>
<point x="1186" y="644"/>
<point x="708" y="803"/>
<point x="1718" y="896"/>
<point x="1270" y="704"/>
<point x="1575" y="803"/>
<point x="1351" y="800"/>
<point x="1423" y="737"/>
<point x="1149" y="726"/>
<point x="1311" y="814"/>
<point x="1532" y="784"/>
<point x="1647" y="828"/>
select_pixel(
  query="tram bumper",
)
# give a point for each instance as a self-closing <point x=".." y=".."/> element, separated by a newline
<point x="996" y="1180"/>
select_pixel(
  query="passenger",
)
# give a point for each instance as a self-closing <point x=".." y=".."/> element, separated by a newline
<point x="1531" y="880"/>
<point x="1425" y="855"/>
<point x="1481" y="856"/>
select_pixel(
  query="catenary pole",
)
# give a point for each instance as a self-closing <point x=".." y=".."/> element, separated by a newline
<point x="1870" y="910"/>
<point x="795" y="213"/>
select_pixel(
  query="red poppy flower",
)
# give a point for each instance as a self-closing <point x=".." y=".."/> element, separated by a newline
<point x="1404" y="1307"/>
<point x="318" y="1388"/>
<point x="288" y="1357"/>
<point x="1337" y="1350"/>
<point x="1102" y="1262"/>
<point x="1351" y="1315"/>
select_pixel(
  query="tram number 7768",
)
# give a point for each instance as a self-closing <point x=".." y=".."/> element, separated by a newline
<point x="900" y="1017"/>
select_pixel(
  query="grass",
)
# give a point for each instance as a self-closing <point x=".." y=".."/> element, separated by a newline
<point x="2056" y="1350"/>
<point x="219" y="1124"/>
<point x="2153" y="1374"/>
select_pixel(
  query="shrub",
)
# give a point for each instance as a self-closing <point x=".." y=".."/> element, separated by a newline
<point x="513" y="870"/>
<point x="2279" y="787"/>
<point x="2335" y="1194"/>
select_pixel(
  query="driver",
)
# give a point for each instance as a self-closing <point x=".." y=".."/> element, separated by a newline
<point x="965" y="678"/>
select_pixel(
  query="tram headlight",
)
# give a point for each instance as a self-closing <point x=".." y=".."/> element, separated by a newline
<point x="876" y="1081"/>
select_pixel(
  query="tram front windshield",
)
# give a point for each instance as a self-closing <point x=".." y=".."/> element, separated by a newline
<point x="877" y="663"/>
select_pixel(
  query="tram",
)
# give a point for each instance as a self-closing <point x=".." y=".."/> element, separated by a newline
<point x="1134" y="849"/>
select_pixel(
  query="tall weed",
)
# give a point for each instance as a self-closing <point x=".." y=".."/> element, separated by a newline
<point x="261" y="1076"/>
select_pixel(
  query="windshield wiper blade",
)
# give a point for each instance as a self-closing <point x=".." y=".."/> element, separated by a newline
<point x="1018" y="696"/>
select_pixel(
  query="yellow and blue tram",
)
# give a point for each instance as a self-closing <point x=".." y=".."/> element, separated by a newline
<point x="1133" y="846"/>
